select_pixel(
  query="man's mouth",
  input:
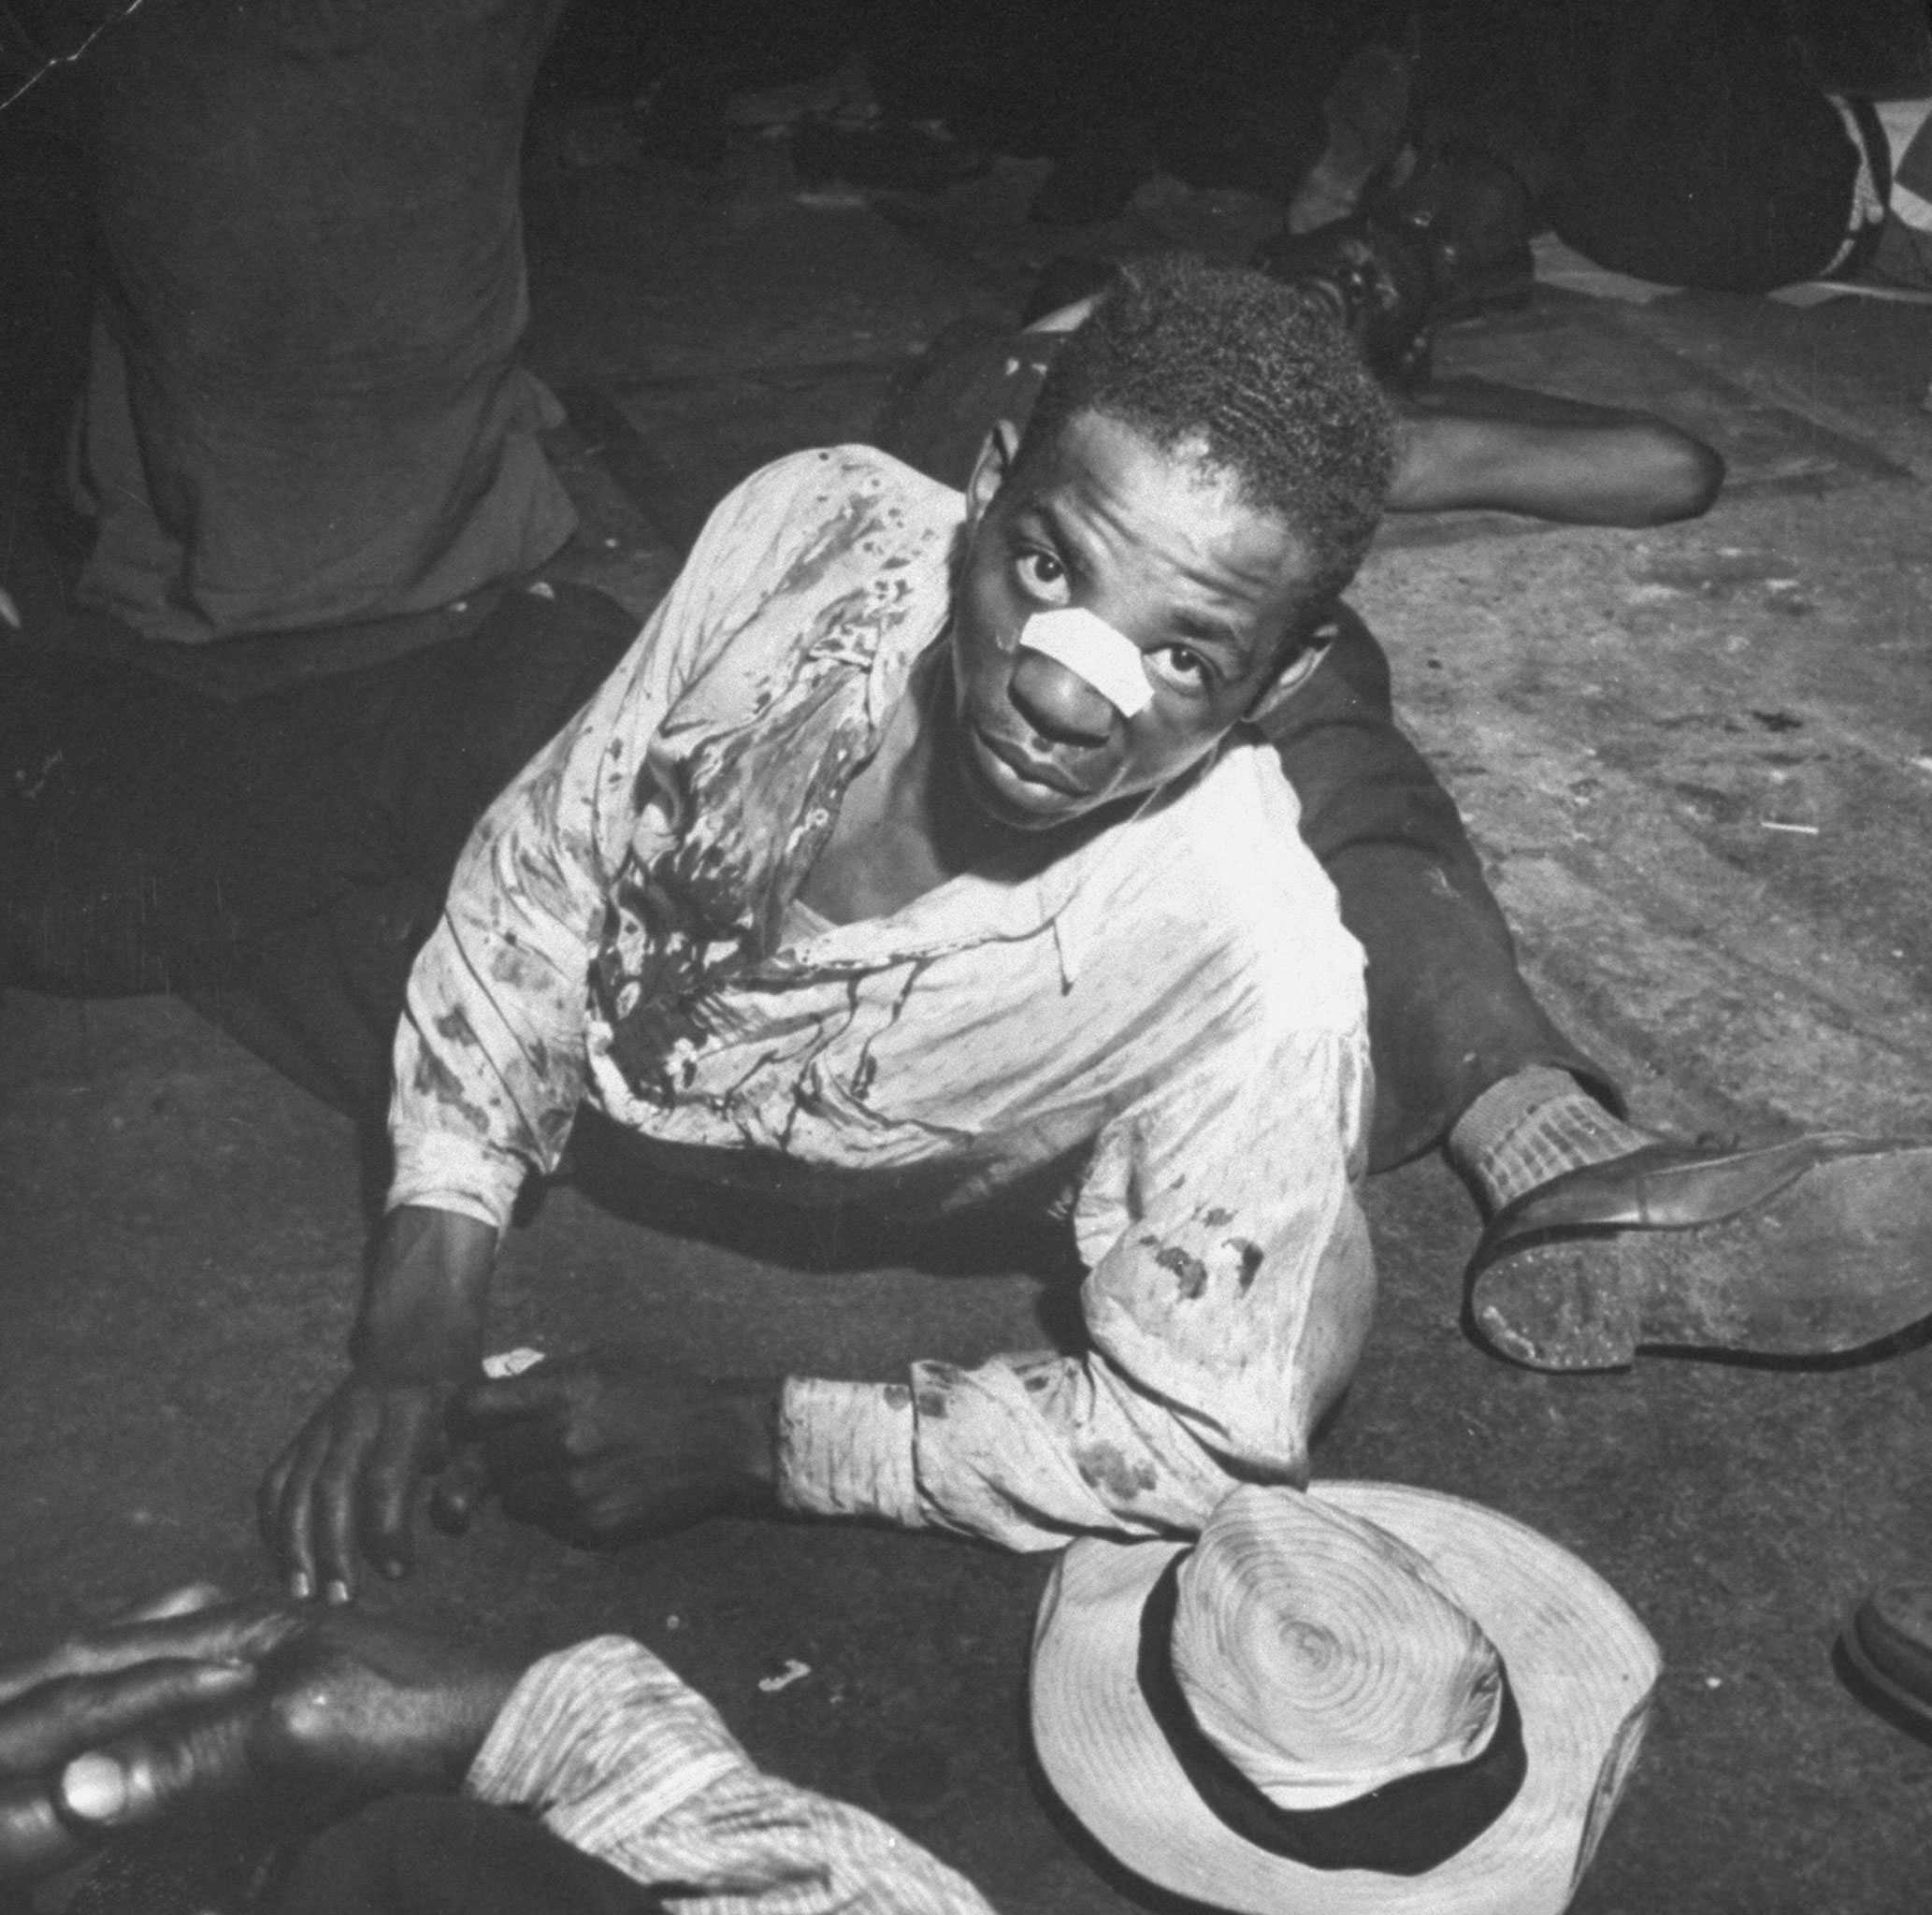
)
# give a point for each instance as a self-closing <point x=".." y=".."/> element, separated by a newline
<point x="1035" y="776"/>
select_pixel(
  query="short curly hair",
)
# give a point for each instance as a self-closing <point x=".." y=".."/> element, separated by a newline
<point x="1254" y="378"/>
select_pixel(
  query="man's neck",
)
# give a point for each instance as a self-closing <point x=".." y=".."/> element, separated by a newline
<point x="905" y="823"/>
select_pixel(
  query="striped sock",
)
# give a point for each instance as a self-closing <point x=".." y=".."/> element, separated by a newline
<point x="1532" y="1126"/>
<point x="1871" y="186"/>
<point x="1905" y="249"/>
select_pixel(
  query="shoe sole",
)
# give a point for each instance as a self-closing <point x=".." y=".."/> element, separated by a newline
<point x="1838" y="1259"/>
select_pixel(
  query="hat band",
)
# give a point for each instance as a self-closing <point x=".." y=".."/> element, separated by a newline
<point x="1405" y="1827"/>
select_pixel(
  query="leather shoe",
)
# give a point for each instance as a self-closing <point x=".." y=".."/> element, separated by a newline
<point x="1888" y="1639"/>
<point x="1806" y="1248"/>
<point x="1450" y="242"/>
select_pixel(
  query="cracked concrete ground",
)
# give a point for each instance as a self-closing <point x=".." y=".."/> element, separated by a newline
<point x="1699" y="762"/>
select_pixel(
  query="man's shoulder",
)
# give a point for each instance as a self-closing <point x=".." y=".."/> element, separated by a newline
<point x="837" y="559"/>
<point x="849" y="496"/>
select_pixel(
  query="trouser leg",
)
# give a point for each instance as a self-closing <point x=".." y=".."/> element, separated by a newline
<point x="1691" y="144"/>
<point x="1450" y="1013"/>
<point x="277" y="863"/>
<point x="443" y="1855"/>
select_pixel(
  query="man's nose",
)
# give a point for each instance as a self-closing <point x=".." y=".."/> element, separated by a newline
<point x="1058" y="703"/>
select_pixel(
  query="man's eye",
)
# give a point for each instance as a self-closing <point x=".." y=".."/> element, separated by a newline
<point x="1176" y="667"/>
<point x="1042" y="575"/>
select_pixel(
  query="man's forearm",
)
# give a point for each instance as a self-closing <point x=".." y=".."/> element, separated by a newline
<point x="428" y="1299"/>
<point x="1025" y="1451"/>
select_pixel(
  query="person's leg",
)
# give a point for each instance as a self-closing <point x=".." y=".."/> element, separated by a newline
<point x="1602" y="1237"/>
<point x="1694" y="145"/>
<point x="1450" y="1015"/>
<point x="1700" y="148"/>
<point x="445" y="1855"/>
<point x="277" y="863"/>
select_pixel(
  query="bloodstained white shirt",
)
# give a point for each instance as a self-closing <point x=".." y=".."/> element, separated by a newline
<point x="1168" y="1019"/>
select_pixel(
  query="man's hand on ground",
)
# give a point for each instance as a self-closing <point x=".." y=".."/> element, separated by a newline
<point x="612" y="1446"/>
<point x="349" y="1479"/>
<point x="130" y="1723"/>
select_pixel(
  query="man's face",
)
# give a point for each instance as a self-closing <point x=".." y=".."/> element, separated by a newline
<point x="1164" y="549"/>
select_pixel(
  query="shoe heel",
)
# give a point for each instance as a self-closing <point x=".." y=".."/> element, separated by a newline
<point x="1557" y="1307"/>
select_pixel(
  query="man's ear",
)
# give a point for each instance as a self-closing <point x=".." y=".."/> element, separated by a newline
<point x="990" y="470"/>
<point x="1297" y="669"/>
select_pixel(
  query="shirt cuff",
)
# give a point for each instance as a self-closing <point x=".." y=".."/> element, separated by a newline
<point x="846" y="1449"/>
<point x="607" y="1712"/>
<point x="437" y="1170"/>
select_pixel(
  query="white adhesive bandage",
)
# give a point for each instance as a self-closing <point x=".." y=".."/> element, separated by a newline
<point x="1094" y="652"/>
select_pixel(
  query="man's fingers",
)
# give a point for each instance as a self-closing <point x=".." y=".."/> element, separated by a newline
<point x="352" y="1480"/>
<point x="188" y="1600"/>
<point x="458" y="1492"/>
<point x="75" y="1712"/>
<point x="237" y="1633"/>
<point x="332" y="1511"/>
<point x="139" y="1778"/>
<point x="285" y="1507"/>
<point x="407" y="1448"/>
<point x="270" y="1494"/>
<point x="33" y="1840"/>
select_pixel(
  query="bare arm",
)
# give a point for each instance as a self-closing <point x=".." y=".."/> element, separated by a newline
<point x="1471" y="446"/>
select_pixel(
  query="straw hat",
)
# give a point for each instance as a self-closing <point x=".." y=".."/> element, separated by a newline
<point x="1360" y="1698"/>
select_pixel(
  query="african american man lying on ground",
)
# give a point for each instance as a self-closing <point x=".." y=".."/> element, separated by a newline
<point x="913" y="853"/>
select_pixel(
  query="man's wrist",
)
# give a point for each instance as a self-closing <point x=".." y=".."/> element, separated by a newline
<point x="471" y="1708"/>
<point x="417" y="1348"/>
<point x="425" y="1310"/>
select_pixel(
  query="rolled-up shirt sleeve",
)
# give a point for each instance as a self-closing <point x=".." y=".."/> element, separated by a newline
<point x="1229" y="1291"/>
<point x="626" y="1762"/>
<point x="489" y="1057"/>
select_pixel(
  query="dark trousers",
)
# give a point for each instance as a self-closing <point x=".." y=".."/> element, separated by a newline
<point x="442" y="1855"/>
<point x="1686" y="141"/>
<point x="1449" y="1014"/>
<point x="279" y="862"/>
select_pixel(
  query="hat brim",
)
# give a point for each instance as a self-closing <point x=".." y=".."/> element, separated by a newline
<point x="1583" y="1666"/>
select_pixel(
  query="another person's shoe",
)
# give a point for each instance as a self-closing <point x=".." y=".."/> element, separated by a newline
<point x="1808" y="1249"/>
<point x="1450" y="242"/>
<point x="1887" y="1638"/>
<point x="1381" y="276"/>
<point x="1366" y="112"/>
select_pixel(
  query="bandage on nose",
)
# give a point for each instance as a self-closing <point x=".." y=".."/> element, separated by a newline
<point x="1094" y="653"/>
